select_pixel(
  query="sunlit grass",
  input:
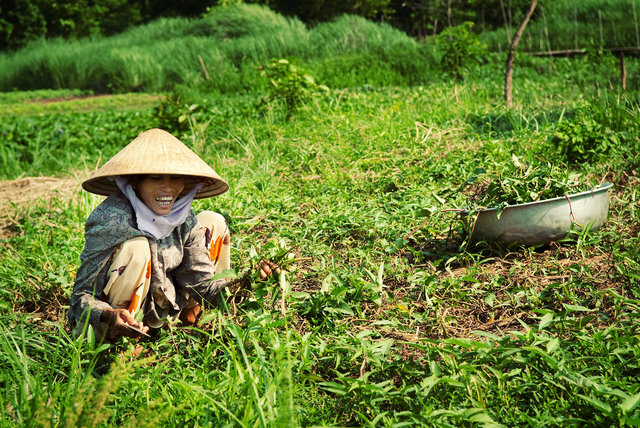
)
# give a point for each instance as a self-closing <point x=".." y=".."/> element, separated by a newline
<point x="64" y="101"/>
<point x="383" y="316"/>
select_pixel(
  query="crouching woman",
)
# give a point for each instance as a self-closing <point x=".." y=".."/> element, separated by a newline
<point x="147" y="256"/>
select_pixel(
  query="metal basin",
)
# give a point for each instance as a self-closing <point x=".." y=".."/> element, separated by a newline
<point x="543" y="221"/>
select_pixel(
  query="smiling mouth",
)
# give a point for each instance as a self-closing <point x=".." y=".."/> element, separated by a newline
<point x="164" y="201"/>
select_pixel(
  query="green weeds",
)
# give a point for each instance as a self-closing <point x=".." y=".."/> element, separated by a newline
<point x="289" y="85"/>
<point x="460" y="48"/>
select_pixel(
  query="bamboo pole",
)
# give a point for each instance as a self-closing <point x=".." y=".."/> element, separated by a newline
<point x="600" y="26"/>
<point x="541" y="39"/>
<point x="506" y="23"/>
<point x="546" y="29"/>
<point x="566" y="27"/>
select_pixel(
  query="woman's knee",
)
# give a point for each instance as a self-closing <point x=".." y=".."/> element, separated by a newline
<point x="129" y="258"/>
<point x="213" y="221"/>
<point x="136" y="250"/>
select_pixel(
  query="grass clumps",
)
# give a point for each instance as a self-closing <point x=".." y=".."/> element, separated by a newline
<point x="243" y="20"/>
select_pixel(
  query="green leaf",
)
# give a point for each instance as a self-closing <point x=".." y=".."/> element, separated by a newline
<point x="438" y="198"/>
<point x="552" y="345"/>
<point x="339" y="291"/>
<point x="630" y="403"/>
<point x="545" y="321"/>
<point x="301" y="295"/>
<point x="343" y="308"/>
<point x="576" y="308"/>
<point x="602" y="406"/>
<point x="460" y="342"/>
<point x="336" y="388"/>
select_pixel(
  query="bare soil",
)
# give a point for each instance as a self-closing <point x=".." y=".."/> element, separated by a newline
<point x="16" y="195"/>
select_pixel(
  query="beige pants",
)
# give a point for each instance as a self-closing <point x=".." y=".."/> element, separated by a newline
<point x="129" y="274"/>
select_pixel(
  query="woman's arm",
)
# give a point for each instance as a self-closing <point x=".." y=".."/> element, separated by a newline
<point x="85" y="300"/>
<point x="108" y="225"/>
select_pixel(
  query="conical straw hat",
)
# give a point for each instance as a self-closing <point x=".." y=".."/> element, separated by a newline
<point x="157" y="152"/>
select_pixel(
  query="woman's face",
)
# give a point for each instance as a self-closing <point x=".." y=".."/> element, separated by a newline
<point x="159" y="191"/>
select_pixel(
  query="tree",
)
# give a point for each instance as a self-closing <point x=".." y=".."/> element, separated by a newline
<point x="508" y="84"/>
<point x="23" y="21"/>
<point x="20" y="22"/>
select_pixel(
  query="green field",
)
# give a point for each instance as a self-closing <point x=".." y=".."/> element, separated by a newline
<point x="385" y="313"/>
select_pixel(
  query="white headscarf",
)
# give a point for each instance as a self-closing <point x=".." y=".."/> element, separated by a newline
<point x="160" y="226"/>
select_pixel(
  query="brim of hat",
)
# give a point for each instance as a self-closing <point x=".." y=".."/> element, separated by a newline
<point x="105" y="185"/>
<point x="156" y="151"/>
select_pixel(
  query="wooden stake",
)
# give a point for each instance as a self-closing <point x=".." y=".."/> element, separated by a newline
<point x="508" y="85"/>
<point x="204" y="68"/>
<point x="623" y="73"/>
<point x="575" y="24"/>
<point x="635" y="22"/>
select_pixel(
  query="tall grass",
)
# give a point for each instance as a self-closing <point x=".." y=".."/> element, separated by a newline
<point x="48" y="378"/>
<point x="221" y="50"/>
<point x="351" y="52"/>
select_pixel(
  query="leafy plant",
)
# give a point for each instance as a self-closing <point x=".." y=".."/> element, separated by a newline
<point x="178" y="112"/>
<point x="460" y="48"/>
<point x="289" y="84"/>
<point x="377" y="321"/>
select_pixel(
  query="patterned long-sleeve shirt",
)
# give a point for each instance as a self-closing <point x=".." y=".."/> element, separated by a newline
<point x="180" y="265"/>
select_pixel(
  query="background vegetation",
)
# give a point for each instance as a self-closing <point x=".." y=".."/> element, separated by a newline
<point x="561" y="24"/>
<point x="346" y="145"/>
<point x="223" y="51"/>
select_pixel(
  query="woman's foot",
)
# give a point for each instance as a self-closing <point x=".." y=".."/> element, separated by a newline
<point x="189" y="316"/>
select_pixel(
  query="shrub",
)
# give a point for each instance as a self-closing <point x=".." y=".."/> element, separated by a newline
<point x="290" y="84"/>
<point x="459" y="48"/>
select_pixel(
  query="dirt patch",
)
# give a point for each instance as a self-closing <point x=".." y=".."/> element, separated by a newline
<point x="69" y="98"/>
<point x="15" y="195"/>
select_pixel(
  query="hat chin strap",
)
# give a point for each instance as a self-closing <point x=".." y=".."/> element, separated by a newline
<point x="160" y="226"/>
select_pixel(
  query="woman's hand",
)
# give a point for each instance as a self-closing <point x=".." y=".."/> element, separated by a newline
<point x="120" y="322"/>
<point x="266" y="268"/>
